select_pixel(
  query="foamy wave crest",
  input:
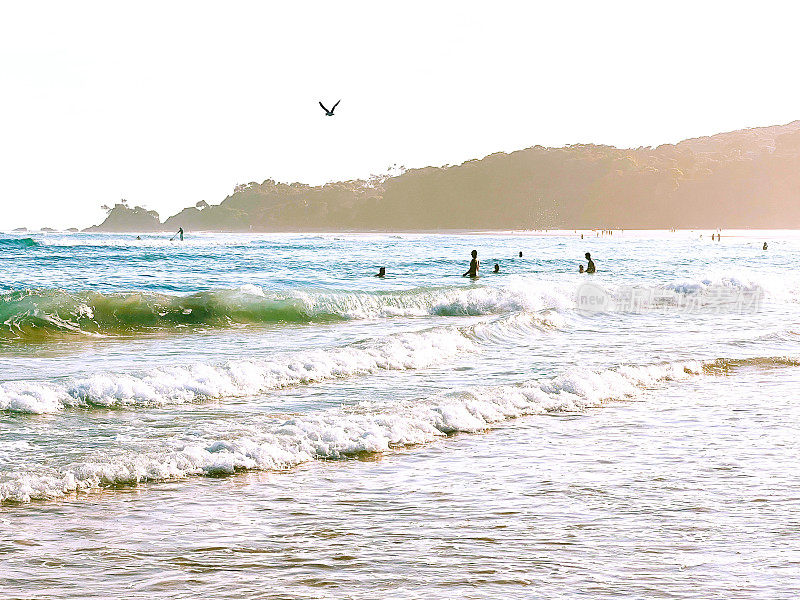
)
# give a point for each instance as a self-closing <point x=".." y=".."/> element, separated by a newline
<point x="191" y="383"/>
<point x="340" y="433"/>
<point x="39" y="314"/>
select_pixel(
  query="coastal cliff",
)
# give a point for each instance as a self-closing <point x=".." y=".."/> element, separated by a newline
<point x="739" y="179"/>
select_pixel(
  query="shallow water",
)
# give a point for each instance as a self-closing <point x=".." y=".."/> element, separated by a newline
<point x="308" y="430"/>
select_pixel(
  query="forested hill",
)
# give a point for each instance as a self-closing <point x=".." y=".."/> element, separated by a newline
<point x="740" y="179"/>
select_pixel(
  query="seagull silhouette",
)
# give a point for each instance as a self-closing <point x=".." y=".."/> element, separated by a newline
<point x="329" y="113"/>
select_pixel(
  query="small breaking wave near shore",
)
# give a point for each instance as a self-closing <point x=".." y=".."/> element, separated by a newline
<point x="370" y="428"/>
<point x="198" y="382"/>
<point x="343" y="432"/>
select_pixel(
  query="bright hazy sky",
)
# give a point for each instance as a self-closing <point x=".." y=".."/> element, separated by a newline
<point x="167" y="103"/>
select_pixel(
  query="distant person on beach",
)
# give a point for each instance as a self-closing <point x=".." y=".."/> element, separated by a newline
<point x="765" y="246"/>
<point x="474" y="265"/>
<point x="590" y="267"/>
<point x="497" y="267"/>
<point x="381" y="272"/>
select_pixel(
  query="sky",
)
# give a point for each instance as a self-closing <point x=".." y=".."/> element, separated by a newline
<point x="168" y="103"/>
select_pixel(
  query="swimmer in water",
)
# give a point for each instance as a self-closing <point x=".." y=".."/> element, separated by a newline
<point x="580" y="268"/>
<point x="381" y="272"/>
<point x="765" y="246"/>
<point x="496" y="268"/>
<point x="474" y="265"/>
<point x="590" y="267"/>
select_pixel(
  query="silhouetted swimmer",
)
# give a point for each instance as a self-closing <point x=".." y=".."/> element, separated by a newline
<point x="496" y="268"/>
<point x="765" y="246"/>
<point x="474" y="265"/>
<point x="138" y="237"/>
<point x="590" y="267"/>
<point x="520" y="254"/>
<point x="381" y="272"/>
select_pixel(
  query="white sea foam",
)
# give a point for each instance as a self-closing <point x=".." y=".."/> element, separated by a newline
<point x="337" y="433"/>
<point x="189" y="383"/>
<point x="200" y="381"/>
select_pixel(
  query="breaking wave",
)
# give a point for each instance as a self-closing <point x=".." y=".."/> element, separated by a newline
<point x="338" y="433"/>
<point x="200" y="381"/>
<point x="37" y="315"/>
<point x="33" y="315"/>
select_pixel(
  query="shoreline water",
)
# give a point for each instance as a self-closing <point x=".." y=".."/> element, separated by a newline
<point x="507" y="511"/>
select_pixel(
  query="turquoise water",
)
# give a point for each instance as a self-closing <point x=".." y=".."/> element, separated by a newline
<point x="259" y="416"/>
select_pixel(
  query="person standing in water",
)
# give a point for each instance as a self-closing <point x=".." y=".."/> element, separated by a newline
<point x="590" y="267"/>
<point x="765" y="246"/>
<point x="474" y="265"/>
<point x="381" y="272"/>
<point x="496" y="268"/>
<point x="179" y="234"/>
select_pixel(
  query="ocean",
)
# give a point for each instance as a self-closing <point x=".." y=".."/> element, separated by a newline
<point x="259" y="416"/>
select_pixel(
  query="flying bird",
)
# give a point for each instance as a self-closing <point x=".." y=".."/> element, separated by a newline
<point x="329" y="113"/>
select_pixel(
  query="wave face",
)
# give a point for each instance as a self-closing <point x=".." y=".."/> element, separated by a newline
<point x="339" y="433"/>
<point x="38" y="315"/>
<point x="10" y="243"/>
<point x="33" y="315"/>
